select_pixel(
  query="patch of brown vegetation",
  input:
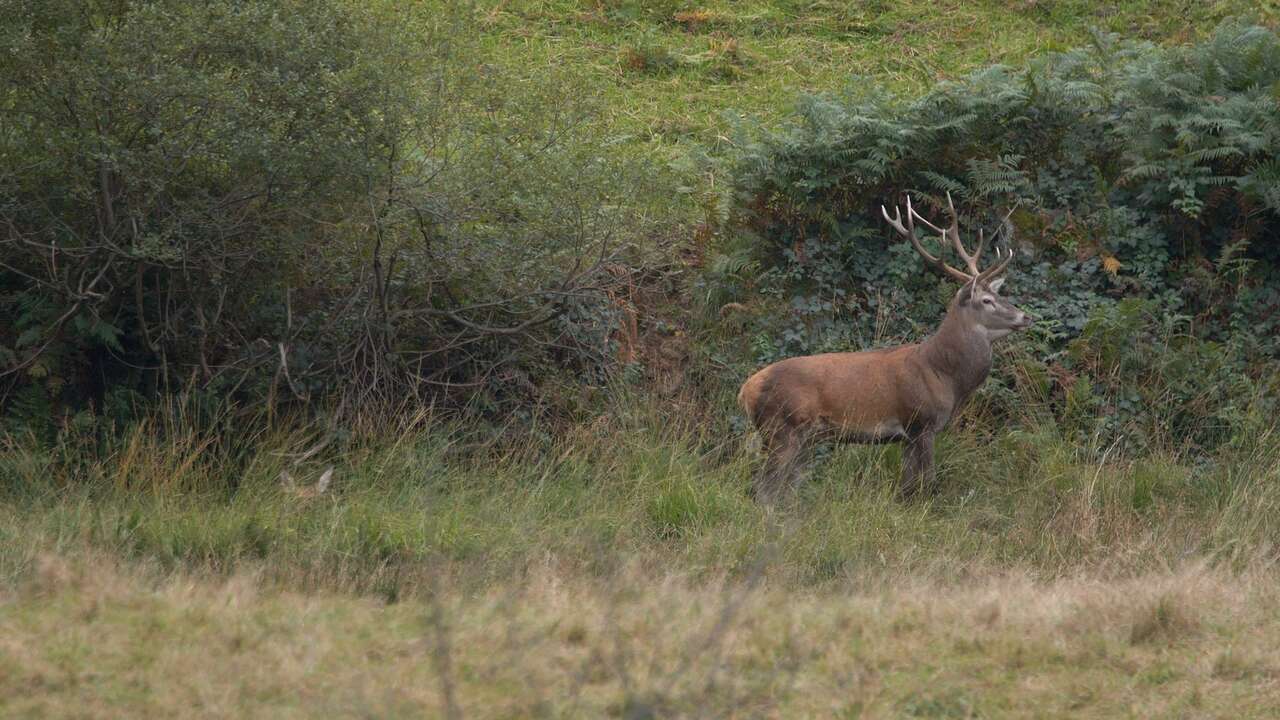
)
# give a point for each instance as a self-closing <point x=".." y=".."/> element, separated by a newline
<point x="695" y="20"/>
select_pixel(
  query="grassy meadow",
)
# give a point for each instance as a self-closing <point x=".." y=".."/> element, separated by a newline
<point x="676" y="72"/>
<point x="622" y="570"/>
<point x="617" y="566"/>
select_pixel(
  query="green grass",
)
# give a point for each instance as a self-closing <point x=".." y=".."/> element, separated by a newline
<point x="643" y="485"/>
<point x="671" y="82"/>
<point x="622" y="570"/>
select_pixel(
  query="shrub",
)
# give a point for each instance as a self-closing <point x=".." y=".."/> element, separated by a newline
<point x="1133" y="171"/>
<point x="1156" y="383"/>
<point x="292" y="200"/>
<point x="1130" y="165"/>
<point x="167" y="167"/>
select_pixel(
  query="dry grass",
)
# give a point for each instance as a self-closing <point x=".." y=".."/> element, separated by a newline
<point x="85" y="636"/>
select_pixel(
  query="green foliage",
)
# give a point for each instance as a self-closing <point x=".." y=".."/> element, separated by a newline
<point x="288" y="200"/>
<point x="1155" y="383"/>
<point x="1133" y="171"/>
<point x="167" y="170"/>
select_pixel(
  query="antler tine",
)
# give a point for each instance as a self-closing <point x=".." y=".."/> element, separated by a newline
<point x="912" y="213"/>
<point x="910" y="232"/>
<point x="954" y="231"/>
<point x="952" y="234"/>
<point x="1006" y="228"/>
<point x="896" y="220"/>
<point x="998" y="268"/>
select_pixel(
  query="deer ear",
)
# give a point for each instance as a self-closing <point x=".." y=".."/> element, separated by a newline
<point x="966" y="291"/>
<point x="995" y="285"/>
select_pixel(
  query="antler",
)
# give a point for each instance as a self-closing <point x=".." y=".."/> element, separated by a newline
<point x="952" y="234"/>
<point x="910" y="232"/>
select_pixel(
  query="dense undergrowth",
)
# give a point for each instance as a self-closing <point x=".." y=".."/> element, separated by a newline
<point x="292" y="201"/>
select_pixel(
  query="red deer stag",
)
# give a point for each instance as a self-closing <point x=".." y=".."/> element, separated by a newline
<point x="899" y="394"/>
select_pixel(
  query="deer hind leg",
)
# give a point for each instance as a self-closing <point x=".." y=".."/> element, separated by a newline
<point x="917" y="465"/>
<point x="784" y="447"/>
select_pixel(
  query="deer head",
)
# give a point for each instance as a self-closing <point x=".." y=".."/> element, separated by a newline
<point x="977" y="303"/>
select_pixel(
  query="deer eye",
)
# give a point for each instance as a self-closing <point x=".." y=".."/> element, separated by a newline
<point x="987" y="301"/>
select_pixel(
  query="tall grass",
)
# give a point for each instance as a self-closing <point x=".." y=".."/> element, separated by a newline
<point x="202" y="490"/>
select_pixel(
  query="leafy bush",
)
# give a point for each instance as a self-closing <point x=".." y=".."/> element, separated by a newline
<point x="164" y="167"/>
<point x="1138" y="373"/>
<point x="292" y="200"/>
<point x="1134" y="171"/>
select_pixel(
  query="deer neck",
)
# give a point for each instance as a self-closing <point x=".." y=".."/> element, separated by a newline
<point x="960" y="351"/>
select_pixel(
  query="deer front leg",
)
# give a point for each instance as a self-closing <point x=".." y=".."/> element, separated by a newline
<point x="917" y="465"/>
